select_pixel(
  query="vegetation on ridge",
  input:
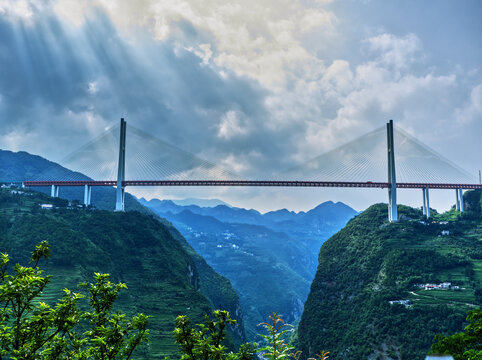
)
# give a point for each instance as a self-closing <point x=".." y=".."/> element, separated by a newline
<point x="368" y="293"/>
<point x="136" y="249"/>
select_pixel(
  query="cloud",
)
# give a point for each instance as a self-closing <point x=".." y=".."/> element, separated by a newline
<point x="397" y="51"/>
<point x="67" y="88"/>
<point x="233" y="82"/>
<point x="344" y="101"/>
<point x="21" y="9"/>
<point x="93" y="88"/>
<point x="230" y="125"/>
<point x="262" y="40"/>
<point x="473" y="110"/>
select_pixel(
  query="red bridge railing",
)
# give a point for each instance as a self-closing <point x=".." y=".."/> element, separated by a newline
<point x="269" y="183"/>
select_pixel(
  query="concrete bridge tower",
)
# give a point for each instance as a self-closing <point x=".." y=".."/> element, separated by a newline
<point x="392" y="190"/>
<point x="120" y="193"/>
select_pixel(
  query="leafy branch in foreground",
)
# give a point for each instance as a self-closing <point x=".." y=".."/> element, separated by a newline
<point x="465" y="345"/>
<point x="278" y="348"/>
<point x="206" y="340"/>
<point x="32" y="329"/>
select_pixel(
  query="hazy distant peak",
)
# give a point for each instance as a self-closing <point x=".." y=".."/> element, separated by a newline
<point x="201" y="202"/>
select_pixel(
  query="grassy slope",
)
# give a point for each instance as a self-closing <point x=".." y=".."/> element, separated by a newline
<point x="132" y="247"/>
<point x="370" y="262"/>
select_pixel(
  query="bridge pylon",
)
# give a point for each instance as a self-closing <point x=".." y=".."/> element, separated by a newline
<point x="120" y="192"/>
<point x="392" y="190"/>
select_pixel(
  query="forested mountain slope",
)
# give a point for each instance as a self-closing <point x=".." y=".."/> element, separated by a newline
<point x="372" y="262"/>
<point x="19" y="166"/>
<point x="163" y="279"/>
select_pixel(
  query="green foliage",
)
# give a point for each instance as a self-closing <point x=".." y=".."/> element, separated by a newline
<point x="277" y="348"/>
<point x="113" y="334"/>
<point x="466" y="345"/>
<point x="371" y="262"/>
<point x="134" y="248"/>
<point x="205" y="341"/>
<point x="32" y="329"/>
<point x="269" y="270"/>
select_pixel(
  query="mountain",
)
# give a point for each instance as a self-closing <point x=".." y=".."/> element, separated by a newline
<point x="214" y="290"/>
<point x="19" y="166"/>
<point x="164" y="276"/>
<point x="313" y="226"/>
<point x="200" y="202"/>
<point x="368" y="298"/>
<point x="270" y="269"/>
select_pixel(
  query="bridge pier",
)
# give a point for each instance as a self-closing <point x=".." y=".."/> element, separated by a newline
<point x="461" y="199"/>
<point x="457" y="200"/>
<point x="120" y="192"/>
<point x="54" y="191"/>
<point x="424" y="207"/>
<point x="87" y="194"/>
<point x="426" y="203"/>
<point x="459" y="196"/>
<point x="392" y="190"/>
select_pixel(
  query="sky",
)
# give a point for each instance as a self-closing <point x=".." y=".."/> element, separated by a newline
<point x="255" y="86"/>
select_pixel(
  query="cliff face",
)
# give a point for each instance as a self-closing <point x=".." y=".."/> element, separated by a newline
<point x="366" y="301"/>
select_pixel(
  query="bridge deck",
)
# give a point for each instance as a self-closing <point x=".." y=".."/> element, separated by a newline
<point x="270" y="183"/>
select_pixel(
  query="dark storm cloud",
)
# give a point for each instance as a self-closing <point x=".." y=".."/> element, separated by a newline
<point x="53" y="78"/>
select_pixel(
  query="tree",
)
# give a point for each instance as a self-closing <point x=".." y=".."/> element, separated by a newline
<point x="33" y="329"/>
<point x="466" y="345"/>
<point x="278" y="348"/>
<point x="205" y="341"/>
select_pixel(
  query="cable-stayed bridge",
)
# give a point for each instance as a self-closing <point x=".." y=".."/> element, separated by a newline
<point x="386" y="158"/>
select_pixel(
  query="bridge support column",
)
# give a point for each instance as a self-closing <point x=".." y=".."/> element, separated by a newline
<point x="392" y="190"/>
<point x="461" y="199"/>
<point x="54" y="191"/>
<point x="120" y="193"/>
<point x="457" y="200"/>
<point x="87" y="194"/>
<point x="426" y="203"/>
<point x="424" y="207"/>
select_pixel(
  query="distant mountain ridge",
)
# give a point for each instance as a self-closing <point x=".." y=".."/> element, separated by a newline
<point x="324" y="214"/>
<point x="200" y="202"/>
<point x="310" y="228"/>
